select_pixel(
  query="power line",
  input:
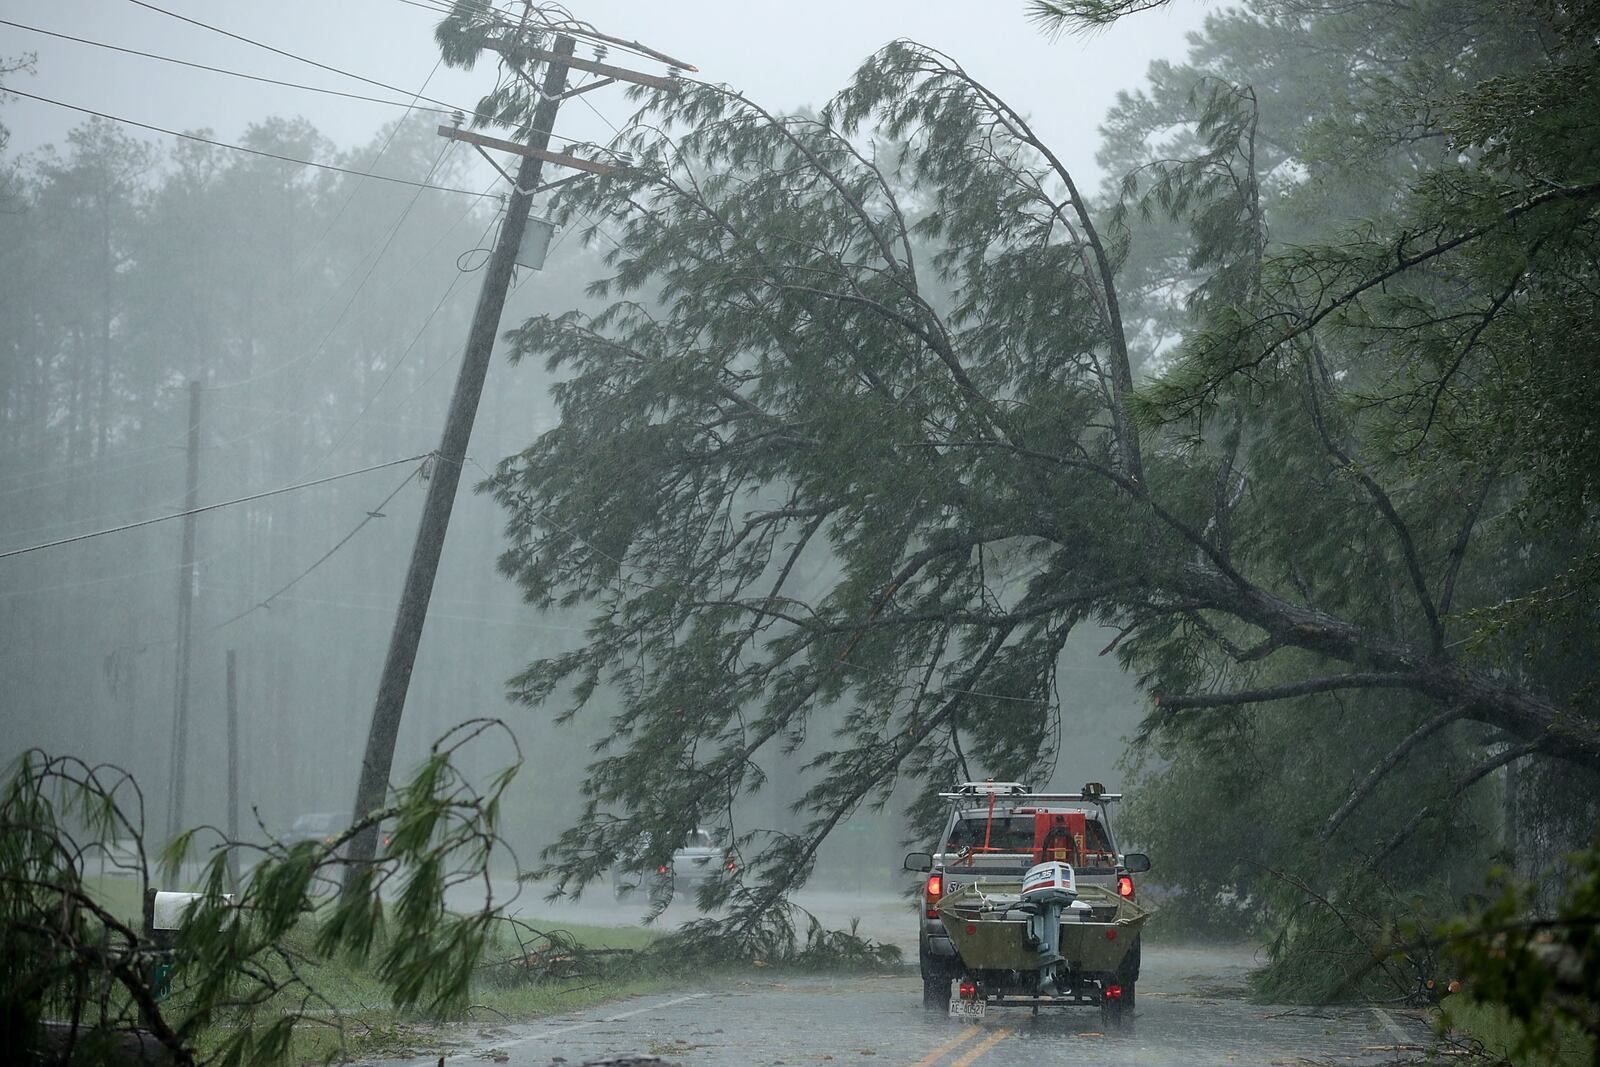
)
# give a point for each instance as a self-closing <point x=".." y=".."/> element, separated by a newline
<point x="317" y="417"/>
<point x="224" y="70"/>
<point x="105" y="516"/>
<point x="433" y="616"/>
<point x="281" y="52"/>
<point x="373" y="513"/>
<point x="213" y="507"/>
<point x="382" y="601"/>
<point x="584" y="100"/>
<point x="444" y="9"/>
<point x="239" y="148"/>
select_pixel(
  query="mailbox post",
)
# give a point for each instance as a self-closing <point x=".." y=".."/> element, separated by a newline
<point x="163" y="918"/>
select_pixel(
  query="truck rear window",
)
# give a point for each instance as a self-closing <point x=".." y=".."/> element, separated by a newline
<point x="1007" y="833"/>
<point x="1014" y="833"/>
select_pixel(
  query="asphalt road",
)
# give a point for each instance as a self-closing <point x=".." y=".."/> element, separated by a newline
<point x="1191" y="1012"/>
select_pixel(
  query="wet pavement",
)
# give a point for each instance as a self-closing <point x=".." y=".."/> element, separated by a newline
<point x="1191" y="1011"/>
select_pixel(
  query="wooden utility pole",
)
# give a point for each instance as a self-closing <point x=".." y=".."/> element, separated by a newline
<point x="180" y="682"/>
<point x="435" y="522"/>
<point x="233" y="771"/>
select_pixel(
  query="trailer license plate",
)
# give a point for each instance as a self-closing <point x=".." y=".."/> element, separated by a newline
<point x="966" y="1009"/>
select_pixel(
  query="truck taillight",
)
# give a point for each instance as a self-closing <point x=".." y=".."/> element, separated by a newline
<point x="967" y="990"/>
<point x="1125" y="886"/>
<point x="932" y="893"/>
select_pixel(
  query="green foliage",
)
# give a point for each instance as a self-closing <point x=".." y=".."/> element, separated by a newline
<point x="1399" y="350"/>
<point x="1489" y="1030"/>
<point x="471" y="27"/>
<point x="238" y="963"/>
<point x="1235" y="807"/>
<point x="11" y="65"/>
<point x="775" y="385"/>
<point x="1542" y="972"/>
<point x="771" y="939"/>
<point x="1057" y="16"/>
<point x="858" y="443"/>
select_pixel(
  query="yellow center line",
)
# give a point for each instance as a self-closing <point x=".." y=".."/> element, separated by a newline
<point x="965" y="1035"/>
<point x="981" y="1047"/>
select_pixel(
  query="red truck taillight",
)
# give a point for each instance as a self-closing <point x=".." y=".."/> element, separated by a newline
<point x="1125" y="886"/>
<point x="931" y="895"/>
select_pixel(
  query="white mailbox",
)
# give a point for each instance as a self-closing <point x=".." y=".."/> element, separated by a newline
<point x="168" y="914"/>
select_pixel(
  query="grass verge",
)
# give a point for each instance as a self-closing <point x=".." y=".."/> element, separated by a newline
<point x="1500" y="1034"/>
<point x="522" y="976"/>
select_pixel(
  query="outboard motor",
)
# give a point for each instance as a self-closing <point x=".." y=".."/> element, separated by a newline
<point x="1047" y="888"/>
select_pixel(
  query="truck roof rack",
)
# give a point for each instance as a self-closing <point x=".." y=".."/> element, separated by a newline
<point x="1093" y="792"/>
<point x="1047" y="798"/>
<point x="990" y="788"/>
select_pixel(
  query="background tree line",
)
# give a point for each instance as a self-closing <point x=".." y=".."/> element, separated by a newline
<point x="322" y="314"/>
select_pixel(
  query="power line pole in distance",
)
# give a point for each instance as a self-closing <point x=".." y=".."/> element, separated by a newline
<point x="180" y="681"/>
<point x="233" y="770"/>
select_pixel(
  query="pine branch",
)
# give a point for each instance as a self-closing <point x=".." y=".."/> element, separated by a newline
<point x="1477" y="774"/>
<point x="1387" y="764"/>
<point x="1286" y="691"/>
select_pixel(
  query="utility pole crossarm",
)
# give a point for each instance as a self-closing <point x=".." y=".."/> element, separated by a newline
<point x="606" y="70"/>
<point x="560" y="159"/>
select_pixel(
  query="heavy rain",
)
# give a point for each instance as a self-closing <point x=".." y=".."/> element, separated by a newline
<point x="725" y="534"/>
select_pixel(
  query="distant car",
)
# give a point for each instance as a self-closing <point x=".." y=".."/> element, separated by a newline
<point x="324" y="827"/>
<point x="697" y="861"/>
<point x="317" y="826"/>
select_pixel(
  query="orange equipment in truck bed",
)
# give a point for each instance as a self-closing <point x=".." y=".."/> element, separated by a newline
<point x="1059" y="836"/>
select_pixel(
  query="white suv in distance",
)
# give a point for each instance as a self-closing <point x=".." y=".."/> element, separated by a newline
<point x="696" y="861"/>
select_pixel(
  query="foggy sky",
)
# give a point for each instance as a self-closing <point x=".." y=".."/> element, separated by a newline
<point x="785" y="56"/>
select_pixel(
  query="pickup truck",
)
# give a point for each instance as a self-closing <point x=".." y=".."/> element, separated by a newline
<point x="999" y="830"/>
